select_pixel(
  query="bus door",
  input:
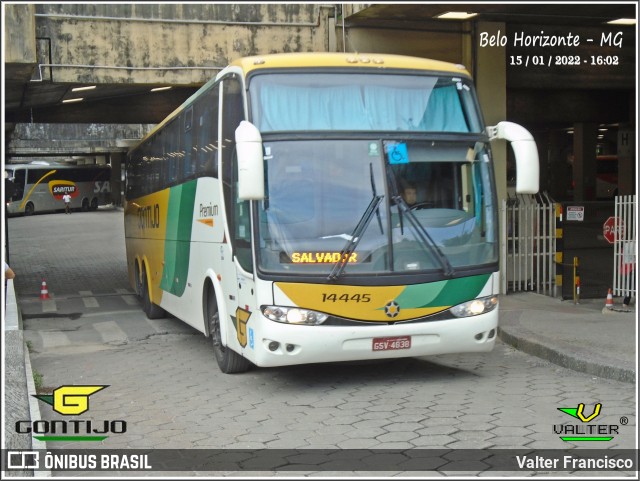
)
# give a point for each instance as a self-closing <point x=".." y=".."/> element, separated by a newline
<point x="17" y="185"/>
<point x="238" y="283"/>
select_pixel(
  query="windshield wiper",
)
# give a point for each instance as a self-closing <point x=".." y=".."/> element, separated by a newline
<point x="356" y="235"/>
<point x="426" y="241"/>
<point x="373" y="191"/>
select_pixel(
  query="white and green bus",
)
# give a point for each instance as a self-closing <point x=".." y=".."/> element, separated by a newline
<point x="268" y="213"/>
<point x="39" y="188"/>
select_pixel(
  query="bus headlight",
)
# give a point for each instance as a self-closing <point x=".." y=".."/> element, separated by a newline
<point x="475" y="307"/>
<point x="294" y="315"/>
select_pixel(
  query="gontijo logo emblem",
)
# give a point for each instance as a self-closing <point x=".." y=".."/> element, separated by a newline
<point x="70" y="400"/>
<point x="584" y="431"/>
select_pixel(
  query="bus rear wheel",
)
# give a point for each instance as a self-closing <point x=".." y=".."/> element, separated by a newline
<point x="229" y="362"/>
<point x="94" y="204"/>
<point x="153" y="311"/>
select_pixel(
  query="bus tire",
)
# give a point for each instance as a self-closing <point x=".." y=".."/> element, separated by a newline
<point x="94" y="204"/>
<point x="29" y="209"/>
<point x="229" y="362"/>
<point x="85" y="204"/>
<point x="153" y="311"/>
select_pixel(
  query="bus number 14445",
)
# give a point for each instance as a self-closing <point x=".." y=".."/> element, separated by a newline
<point x="346" y="298"/>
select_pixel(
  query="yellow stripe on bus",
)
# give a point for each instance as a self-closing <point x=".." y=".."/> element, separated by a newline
<point x="51" y="172"/>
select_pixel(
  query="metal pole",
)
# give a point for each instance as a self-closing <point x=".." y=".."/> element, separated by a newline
<point x="576" y="282"/>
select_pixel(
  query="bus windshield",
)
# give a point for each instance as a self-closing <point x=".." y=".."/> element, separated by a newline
<point x="436" y="210"/>
<point x="362" y="102"/>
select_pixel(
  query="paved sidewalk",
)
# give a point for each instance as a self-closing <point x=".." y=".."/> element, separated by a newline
<point x="584" y="337"/>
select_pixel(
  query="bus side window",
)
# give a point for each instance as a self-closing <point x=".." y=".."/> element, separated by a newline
<point x="237" y="211"/>
<point x="205" y="130"/>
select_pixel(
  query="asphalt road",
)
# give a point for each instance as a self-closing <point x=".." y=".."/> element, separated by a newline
<point x="163" y="380"/>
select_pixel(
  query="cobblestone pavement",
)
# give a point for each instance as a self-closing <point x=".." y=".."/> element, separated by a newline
<point x="164" y="382"/>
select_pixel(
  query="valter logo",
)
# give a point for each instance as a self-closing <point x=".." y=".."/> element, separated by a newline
<point x="70" y="400"/>
<point x="585" y="431"/>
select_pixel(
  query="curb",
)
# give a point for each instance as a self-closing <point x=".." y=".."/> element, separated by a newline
<point x="574" y="362"/>
<point x="34" y="412"/>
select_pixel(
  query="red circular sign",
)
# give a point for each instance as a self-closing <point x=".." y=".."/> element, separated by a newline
<point x="613" y="229"/>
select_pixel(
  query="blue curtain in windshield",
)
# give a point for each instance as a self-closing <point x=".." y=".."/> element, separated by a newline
<point x="444" y="112"/>
<point x="352" y="107"/>
<point x="300" y="108"/>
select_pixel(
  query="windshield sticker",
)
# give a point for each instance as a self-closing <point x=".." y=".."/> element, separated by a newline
<point x="373" y="149"/>
<point x="397" y="153"/>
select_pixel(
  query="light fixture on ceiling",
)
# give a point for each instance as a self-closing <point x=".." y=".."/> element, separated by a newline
<point x="79" y="89"/>
<point x="68" y="101"/>
<point x="456" y="15"/>
<point x="159" y="89"/>
<point x="622" y="21"/>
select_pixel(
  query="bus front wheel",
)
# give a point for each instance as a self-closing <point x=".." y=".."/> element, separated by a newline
<point x="229" y="362"/>
<point x="29" y="209"/>
<point x="153" y="311"/>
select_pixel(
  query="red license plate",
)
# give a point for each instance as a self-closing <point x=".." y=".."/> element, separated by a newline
<point x="391" y="343"/>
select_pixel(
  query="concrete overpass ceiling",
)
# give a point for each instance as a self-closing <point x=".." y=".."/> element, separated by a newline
<point x="41" y="100"/>
<point x="423" y="16"/>
<point x="44" y="102"/>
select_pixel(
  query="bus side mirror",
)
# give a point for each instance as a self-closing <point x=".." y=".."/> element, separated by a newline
<point x="250" y="162"/>
<point x="525" y="151"/>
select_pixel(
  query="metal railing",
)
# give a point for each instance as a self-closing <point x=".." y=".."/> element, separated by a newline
<point x="528" y="244"/>
<point x="624" y="247"/>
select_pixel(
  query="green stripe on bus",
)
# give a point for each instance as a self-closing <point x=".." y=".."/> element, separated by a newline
<point x="177" y="246"/>
<point x="442" y="293"/>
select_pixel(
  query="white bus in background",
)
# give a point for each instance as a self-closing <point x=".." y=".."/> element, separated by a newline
<point x="37" y="188"/>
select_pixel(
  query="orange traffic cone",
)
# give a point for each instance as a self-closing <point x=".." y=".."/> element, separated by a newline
<point x="44" y="292"/>
<point x="609" y="303"/>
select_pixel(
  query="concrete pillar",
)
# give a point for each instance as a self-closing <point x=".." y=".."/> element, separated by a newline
<point x="491" y="85"/>
<point x="20" y="32"/>
<point x="541" y="139"/>
<point x="626" y="160"/>
<point x="585" y="136"/>
<point x="117" y="177"/>
<point x="558" y="167"/>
